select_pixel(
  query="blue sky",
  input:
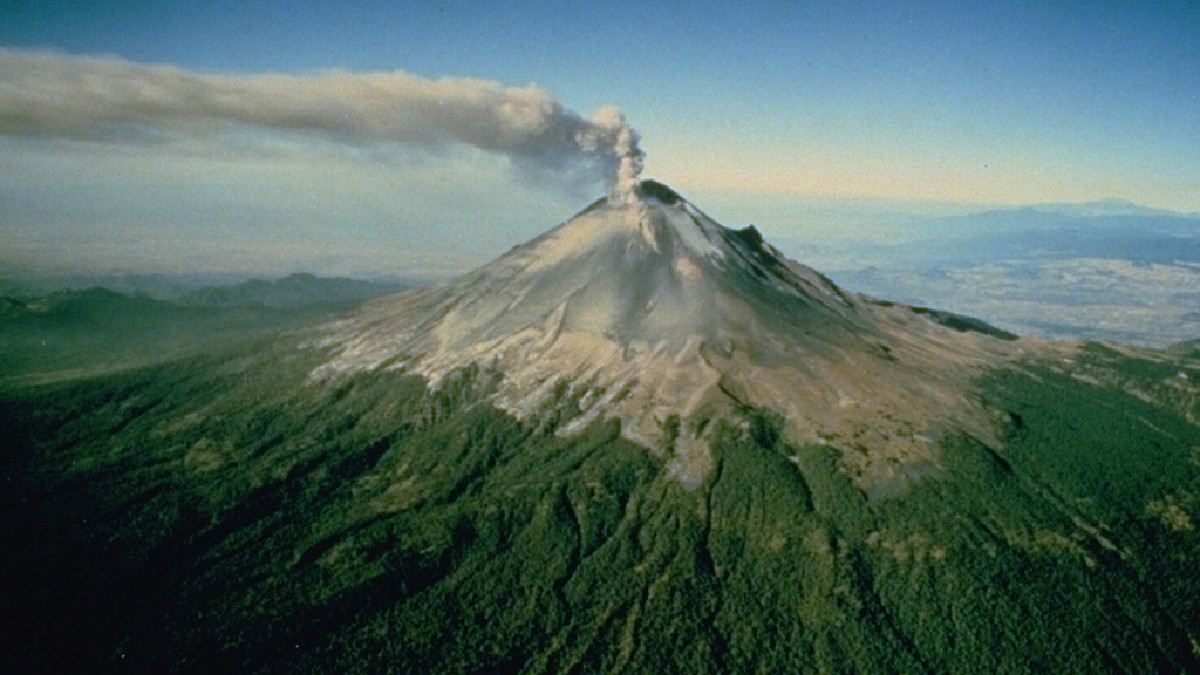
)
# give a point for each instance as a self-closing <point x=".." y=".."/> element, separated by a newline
<point x="788" y="104"/>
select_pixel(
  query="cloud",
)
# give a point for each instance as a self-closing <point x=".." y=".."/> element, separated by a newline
<point x="109" y="99"/>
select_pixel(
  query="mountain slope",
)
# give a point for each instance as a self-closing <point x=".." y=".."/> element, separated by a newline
<point x="650" y="312"/>
<point x="369" y="496"/>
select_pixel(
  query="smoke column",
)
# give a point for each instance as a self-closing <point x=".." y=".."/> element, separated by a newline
<point x="108" y="99"/>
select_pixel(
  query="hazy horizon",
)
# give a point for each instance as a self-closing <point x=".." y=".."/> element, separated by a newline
<point x="794" y="222"/>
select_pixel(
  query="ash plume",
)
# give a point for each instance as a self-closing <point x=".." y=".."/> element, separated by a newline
<point x="109" y="99"/>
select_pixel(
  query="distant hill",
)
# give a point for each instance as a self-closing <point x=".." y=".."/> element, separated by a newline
<point x="204" y="288"/>
<point x="295" y="290"/>
<point x="1037" y="233"/>
<point x="1107" y="207"/>
<point x="1107" y="271"/>
<point x="92" y="304"/>
<point x="1189" y="349"/>
<point x="169" y="287"/>
<point x="100" y="329"/>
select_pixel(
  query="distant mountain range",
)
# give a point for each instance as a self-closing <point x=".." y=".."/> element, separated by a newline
<point x="295" y="289"/>
<point x="1093" y="271"/>
<point x="1107" y="207"/>
<point x="68" y="329"/>
<point x="1034" y="233"/>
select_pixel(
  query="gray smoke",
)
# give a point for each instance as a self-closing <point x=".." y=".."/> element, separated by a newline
<point x="46" y="94"/>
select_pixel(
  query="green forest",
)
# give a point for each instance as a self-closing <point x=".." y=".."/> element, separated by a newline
<point x="223" y="513"/>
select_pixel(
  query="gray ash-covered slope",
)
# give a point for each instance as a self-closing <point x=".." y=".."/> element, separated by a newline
<point x="640" y="443"/>
<point x="647" y="311"/>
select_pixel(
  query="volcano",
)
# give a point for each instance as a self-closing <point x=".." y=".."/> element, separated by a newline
<point x="649" y="312"/>
<point x="640" y="442"/>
